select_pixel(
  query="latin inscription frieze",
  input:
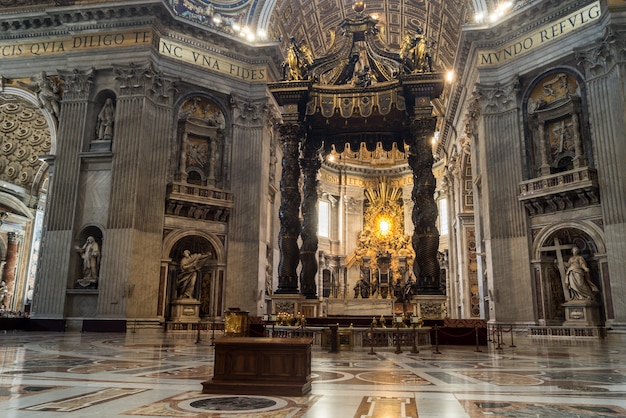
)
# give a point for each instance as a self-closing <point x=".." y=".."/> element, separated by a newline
<point x="211" y="61"/>
<point x="542" y="36"/>
<point x="36" y="48"/>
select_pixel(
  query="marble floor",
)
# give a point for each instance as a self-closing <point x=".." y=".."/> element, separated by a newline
<point x="135" y="375"/>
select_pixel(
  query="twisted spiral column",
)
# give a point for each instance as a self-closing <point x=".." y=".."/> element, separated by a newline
<point x="310" y="164"/>
<point x="289" y="210"/>
<point x="425" y="239"/>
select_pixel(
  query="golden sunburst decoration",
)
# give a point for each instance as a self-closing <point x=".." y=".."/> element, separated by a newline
<point x="383" y="227"/>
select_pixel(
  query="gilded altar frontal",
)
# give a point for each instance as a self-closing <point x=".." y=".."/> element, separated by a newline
<point x="173" y="166"/>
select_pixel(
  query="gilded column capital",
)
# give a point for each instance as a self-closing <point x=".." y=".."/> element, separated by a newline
<point x="497" y="98"/>
<point x="76" y="84"/>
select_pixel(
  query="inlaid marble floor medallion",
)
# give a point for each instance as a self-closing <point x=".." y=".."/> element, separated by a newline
<point x="81" y="375"/>
<point x="237" y="404"/>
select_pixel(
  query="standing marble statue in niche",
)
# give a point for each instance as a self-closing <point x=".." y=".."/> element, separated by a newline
<point x="90" y="254"/>
<point x="577" y="278"/>
<point x="106" y="119"/>
<point x="189" y="267"/>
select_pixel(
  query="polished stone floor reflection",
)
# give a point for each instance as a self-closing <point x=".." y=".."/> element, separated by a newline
<point x="135" y="375"/>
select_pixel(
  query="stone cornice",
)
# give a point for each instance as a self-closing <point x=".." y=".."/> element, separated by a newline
<point x="62" y="18"/>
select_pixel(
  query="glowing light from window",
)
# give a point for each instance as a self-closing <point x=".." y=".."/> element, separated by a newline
<point x="502" y="9"/>
<point x="450" y="76"/>
<point x="323" y="218"/>
<point x="435" y="139"/>
<point x="443" y="217"/>
<point x="384" y="227"/>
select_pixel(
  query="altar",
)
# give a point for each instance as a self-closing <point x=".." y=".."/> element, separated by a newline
<point x="261" y="366"/>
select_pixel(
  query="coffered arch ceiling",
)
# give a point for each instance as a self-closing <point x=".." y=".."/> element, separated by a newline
<point x="315" y="23"/>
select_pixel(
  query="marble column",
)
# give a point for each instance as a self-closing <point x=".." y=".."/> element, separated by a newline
<point x="605" y="72"/>
<point x="57" y="236"/>
<point x="425" y="235"/>
<point x="310" y="164"/>
<point x="291" y="134"/>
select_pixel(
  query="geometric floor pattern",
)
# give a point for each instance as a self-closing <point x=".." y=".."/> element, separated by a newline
<point x="134" y="375"/>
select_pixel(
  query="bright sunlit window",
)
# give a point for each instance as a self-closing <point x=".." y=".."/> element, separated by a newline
<point x="323" y="219"/>
<point x="443" y="216"/>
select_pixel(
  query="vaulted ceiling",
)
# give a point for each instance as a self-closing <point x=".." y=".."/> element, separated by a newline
<point x="315" y="22"/>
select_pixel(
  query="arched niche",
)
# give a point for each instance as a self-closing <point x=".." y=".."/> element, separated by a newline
<point x="202" y="142"/>
<point x="557" y="131"/>
<point x="90" y="238"/>
<point x="552" y="248"/>
<point x="101" y="124"/>
<point x="209" y="285"/>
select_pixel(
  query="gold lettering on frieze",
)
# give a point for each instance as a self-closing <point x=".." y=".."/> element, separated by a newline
<point x="330" y="178"/>
<point x="83" y="42"/>
<point x="355" y="181"/>
<point x="541" y="36"/>
<point x="211" y="61"/>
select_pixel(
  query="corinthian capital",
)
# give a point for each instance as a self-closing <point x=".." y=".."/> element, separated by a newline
<point x="499" y="97"/>
<point x="143" y="79"/>
<point x="601" y="55"/>
<point x="249" y="112"/>
<point x="77" y="83"/>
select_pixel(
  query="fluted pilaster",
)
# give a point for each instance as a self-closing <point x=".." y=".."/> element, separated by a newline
<point x="503" y="220"/>
<point x="136" y="207"/>
<point x="605" y="70"/>
<point x="246" y="230"/>
<point x="53" y="273"/>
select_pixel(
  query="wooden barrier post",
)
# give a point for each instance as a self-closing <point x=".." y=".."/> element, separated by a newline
<point x="512" y="345"/>
<point x="398" y="349"/>
<point x="478" y="350"/>
<point x="371" y="335"/>
<point x="436" y="340"/>
<point x="198" y="333"/>
<point x="414" y="349"/>
<point x="334" y="339"/>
